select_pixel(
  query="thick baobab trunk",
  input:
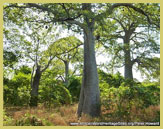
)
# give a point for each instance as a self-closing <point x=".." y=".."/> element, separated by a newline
<point x="128" y="63"/>
<point x="66" y="72"/>
<point x="89" y="102"/>
<point x="34" y="87"/>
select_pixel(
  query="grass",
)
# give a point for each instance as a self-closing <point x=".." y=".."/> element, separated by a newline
<point x="64" y="115"/>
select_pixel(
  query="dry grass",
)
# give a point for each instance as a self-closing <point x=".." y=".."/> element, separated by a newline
<point x="145" y="115"/>
<point x="135" y="115"/>
<point x="56" y="119"/>
<point x="67" y="114"/>
<point x="59" y="116"/>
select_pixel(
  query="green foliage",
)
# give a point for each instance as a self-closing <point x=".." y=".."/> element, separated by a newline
<point x="17" y="89"/>
<point x="139" y="95"/>
<point x="110" y="79"/>
<point x="122" y="95"/>
<point x="74" y="88"/>
<point x="129" y="83"/>
<point x="9" y="58"/>
<point x="150" y="94"/>
<point x="54" y="95"/>
<point x="157" y="119"/>
<point x="24" y="69"/>
<point x="66" y="48"/>
<point x="7" y="120"/>
<point x="32" y="120"/>
<point x="151" y="68"/>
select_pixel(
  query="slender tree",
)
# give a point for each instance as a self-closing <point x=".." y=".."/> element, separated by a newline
<point x="70" y="46"/>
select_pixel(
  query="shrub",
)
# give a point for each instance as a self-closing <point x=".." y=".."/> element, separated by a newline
<point x="74" y="88"/>
<point x="130" y="95"/>
<point x="17" y="90"/>
<point x="113" y="80"/>
<point x="54" y="95"/>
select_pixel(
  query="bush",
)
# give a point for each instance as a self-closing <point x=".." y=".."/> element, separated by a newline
<point x="74" y="88"/>
<point x="112" y="80"/>
<point x="149" y="94"/>
<point x="56" y="95"/>
<point x="128" y="95"/>
<point x="17" y="90"/>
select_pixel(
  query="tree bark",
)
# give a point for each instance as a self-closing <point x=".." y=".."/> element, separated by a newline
<point x="35" y="87"/>
<point x="66" y="72"/>
<point x="128" y="63"/>
<point x="89" y="102"/>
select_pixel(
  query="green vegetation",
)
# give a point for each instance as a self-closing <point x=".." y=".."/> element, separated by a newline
<point x="121" y="100"/>
<point x="51" y="76"/>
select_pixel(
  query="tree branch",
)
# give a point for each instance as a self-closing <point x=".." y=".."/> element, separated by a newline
<point x="61" y="78"/>
<point x="68" y="19"/>
<point x="60" y="58"/>
<point x="136" y="60"/>
<point x="50" y="60"/>
<point x="121" y="24"/>
<point x="77" y="23"/>
<point x="39" y="7"/>
<point x="67" y="12"/>
<point x="130" y="6"/>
